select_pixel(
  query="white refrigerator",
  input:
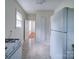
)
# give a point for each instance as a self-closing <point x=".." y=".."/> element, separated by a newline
<point x="61" y="39"/>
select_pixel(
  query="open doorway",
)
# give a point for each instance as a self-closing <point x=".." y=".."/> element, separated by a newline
<point x="31" y="34"/>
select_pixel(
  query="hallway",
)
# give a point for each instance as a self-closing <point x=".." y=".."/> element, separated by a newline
<point x="39" y="29"/>
<point x="37" y="51"/>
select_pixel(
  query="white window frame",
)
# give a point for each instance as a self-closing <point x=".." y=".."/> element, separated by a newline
<point x="19" y="19"/>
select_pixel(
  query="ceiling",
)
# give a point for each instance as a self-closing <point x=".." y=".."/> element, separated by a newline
<point x="32" y="6"/>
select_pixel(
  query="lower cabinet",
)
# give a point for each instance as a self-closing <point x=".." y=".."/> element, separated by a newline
<point x="17" y="54"/>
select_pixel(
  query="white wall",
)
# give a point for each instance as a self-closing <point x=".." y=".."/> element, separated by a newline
<point x="10" y="19"/>
<point x="10" y="22"/>
<point x="43" y="26"/>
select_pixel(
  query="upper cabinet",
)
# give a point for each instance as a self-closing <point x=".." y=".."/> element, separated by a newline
<point x="58" y="21"/>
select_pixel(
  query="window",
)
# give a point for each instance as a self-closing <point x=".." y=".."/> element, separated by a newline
<point x="18" y="20"/>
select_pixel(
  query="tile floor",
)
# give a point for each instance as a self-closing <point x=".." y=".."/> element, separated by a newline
<point x="37" y="51"/>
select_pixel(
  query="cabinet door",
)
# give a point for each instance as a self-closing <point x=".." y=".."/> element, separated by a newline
<point x="17" y="54"/>
<point x="58" y="20"/>
<point x="56" y="44"/>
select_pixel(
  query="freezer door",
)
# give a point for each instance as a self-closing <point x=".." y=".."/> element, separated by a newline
<point x="58" y="21"/>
